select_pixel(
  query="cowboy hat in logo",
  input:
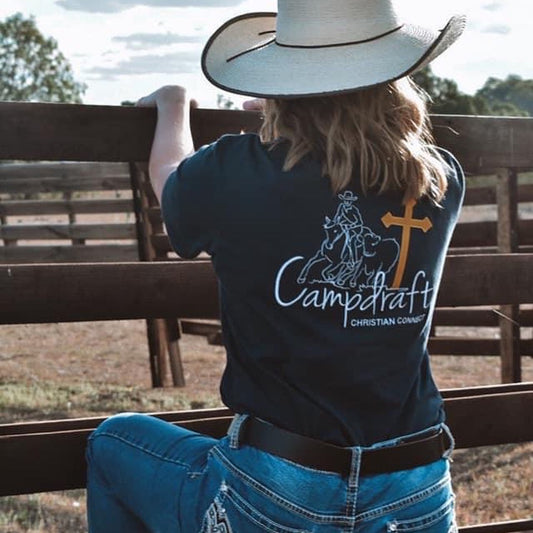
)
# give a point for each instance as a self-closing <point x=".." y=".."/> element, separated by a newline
<point x="348" y="196"/>
<point x="318" y="47"/>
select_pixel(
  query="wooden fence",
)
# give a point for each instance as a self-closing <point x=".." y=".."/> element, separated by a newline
<point x="108" y="200"/>
<point x="67" y="191"/>
<point x="27" y="136"/>
<point x="504" y="154"/>
<point x="42" y="456"/>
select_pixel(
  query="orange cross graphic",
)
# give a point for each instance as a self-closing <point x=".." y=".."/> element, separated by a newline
<point x="407" y="223"/>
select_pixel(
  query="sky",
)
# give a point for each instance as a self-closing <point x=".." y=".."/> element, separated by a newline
<point x="125" y="49"/>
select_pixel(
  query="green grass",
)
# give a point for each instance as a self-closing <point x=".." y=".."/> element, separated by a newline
<point x="45" y="400"/>
<point x="59" y="512"/>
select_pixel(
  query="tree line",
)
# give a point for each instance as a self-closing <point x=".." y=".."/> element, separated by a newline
<point x="512" y="96"/>
<point x="33" y="69"/>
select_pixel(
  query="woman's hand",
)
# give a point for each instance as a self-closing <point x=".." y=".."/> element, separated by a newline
<point x="169" y="95"/>
<point x="257" y="104"/>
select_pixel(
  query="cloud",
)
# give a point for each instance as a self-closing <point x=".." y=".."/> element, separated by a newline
<point x="500" y="29"/>
<point x="175" y="63"/>
<point x="115" y="6"/>
<point x="142" y="41"/>
<point x="493" y="6"/>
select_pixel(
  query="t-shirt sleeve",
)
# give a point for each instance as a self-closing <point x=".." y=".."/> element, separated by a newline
<point x="189" y="204"/>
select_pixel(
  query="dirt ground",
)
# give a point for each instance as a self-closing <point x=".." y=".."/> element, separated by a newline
<point x="113" y="352"/>
<point x="116" y="353"/>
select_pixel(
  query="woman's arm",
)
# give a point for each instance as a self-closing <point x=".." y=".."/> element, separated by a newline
<point x="172" y="140"/>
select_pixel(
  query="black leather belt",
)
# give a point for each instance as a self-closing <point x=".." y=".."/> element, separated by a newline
<point x="324" y="456"/>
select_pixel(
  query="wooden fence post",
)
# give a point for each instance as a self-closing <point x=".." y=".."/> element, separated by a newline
<point x="507" y="196"/>
<point x="163" y="335"/>
<point x="7" y="242"/>
<point x="3" y="222"/>
<point x="67" y="195"/>
<point x="173" y="335"/>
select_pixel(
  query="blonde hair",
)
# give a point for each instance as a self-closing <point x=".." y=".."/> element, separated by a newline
<point x="383" y="132"/>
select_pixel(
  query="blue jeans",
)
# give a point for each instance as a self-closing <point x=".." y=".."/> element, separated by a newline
<point x="146" y="475"/>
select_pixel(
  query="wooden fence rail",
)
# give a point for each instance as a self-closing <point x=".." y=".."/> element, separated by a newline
<point x="108" y="133"/>
<point x="477" y="417"/>
<point x="102" y="291"/>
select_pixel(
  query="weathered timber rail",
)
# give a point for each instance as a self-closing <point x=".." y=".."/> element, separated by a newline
<point x="471" y="414"/>
<point x="109" y="133"/>
<point x="102" y="291"/>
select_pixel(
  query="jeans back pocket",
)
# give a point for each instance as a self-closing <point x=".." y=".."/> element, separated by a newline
<point x="230" y="512"/>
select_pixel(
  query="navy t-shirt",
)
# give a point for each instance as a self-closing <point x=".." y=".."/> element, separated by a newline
<point x="326" y="299"/>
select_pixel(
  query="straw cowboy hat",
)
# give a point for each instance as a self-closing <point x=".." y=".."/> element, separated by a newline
<point x="319" y="47"/>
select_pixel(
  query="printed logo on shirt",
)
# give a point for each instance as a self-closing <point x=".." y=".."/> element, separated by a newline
<point x="360" y="269"/>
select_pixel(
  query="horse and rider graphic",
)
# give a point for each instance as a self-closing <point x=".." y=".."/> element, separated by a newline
<point x="352" y="254"/>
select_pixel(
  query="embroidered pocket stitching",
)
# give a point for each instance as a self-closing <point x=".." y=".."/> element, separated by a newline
<point x="216" y="519"/>
<point x="422" y="522"/>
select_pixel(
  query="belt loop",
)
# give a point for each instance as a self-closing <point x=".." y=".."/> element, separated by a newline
<point x="234" y="431"/>
<point x="353" y="479"/>
<point x="447" y="454"/>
